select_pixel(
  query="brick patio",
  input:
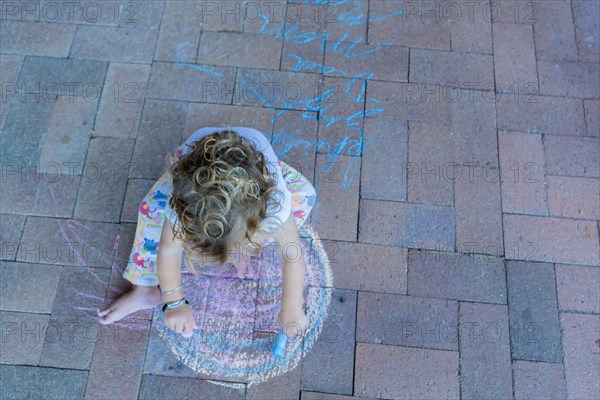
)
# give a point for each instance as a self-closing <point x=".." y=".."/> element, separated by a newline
<point x="454" y="147"/>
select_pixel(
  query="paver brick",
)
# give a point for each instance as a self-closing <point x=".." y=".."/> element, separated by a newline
<point x="384" y="139"/>
<point x="458" y="276"/>
<point x="559" y="240"/>
<point x="406" y="224"/>
<point x="407" y="321"/>
<point x="578" y="288"/>
<point x="369" y="267"/>
<point x="23" y="381"/>
<point x="485" y="369"/>
<point x="580" y="342"/>
<point x="592" y="116"/>
<point x="11" y="66"/>
<point x="574" y="197"/>
<point x="515" y="65"/>
<point x="381" y="372"/>
<point x="37" y="38"/>
<point x="537" y="380"/>
<point x="329" y="365"/>
<point x="125" y="44"/>
<point x="541" y="114"/>
<point x="554" y="31"/>
<point x="157" y="386"/>
<point x="122" y="100"/>
<point x="229" y="49"/>
<point x="574" y="156"/>
<point x="22" y="337"/>
<point x="10" y="235"/>
<point x="533" y="312"/>
<point x="36" y="294"/>
<point x="571" y="79"/>
<point x="522" y="173"/>
<point x="586" y="15"/>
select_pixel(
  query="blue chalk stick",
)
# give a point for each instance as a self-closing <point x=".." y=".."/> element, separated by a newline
<point x="280" y="344"/>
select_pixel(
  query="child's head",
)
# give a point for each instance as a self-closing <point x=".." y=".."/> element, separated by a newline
<point x="221" y="190"/>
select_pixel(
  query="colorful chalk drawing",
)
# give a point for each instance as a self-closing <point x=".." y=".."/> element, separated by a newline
<point x="237" y="318"/>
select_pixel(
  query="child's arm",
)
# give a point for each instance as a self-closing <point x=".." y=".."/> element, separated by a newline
<point x="293" y="269"/>
<point x="180" y="319"/>
<point x="168" y="263"/>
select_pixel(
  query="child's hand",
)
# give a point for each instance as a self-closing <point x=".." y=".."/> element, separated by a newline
<point x="292" y="322"/>
<point x="181" y="320"/>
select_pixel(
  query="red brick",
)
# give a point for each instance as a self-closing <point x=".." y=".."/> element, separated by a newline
<point x="578" y="288"/>
<point x="302" y="56"/>
<point x="412" y="101"/>
<point x="345" y="21"/>
<point x="407" y="321"/>
<point x="11" y="66"/>
<point x="336" y="212"/>
<point x="413" y="28"/>
<point x="136" y="190"/>
<point x="10" y="234"/>
<point x="485" y="369"/>
<point x="147" y="14"/>
<point x="458" y="276"/>
<point x="592" y="116"/>
<point x="191" y="82"/>
<point x="474" y="128"/>
<point x="381" y="372"/>
<point x="122" y="100"/>
<point x="67" y="242"/>
<point x="580" y="343"/>
<point x="68" y="134"/>
<point x="554" y="31"/>
<point x="575" y="156"/>
<point x="153" y="143"/>
<point x="384" y="160"/>
<point x="522" y="171"/>
<point x="160" y="360"/>
<point x="514" y="58"/>
<point x="294" y="135"/>
<point x="253" y="20"/>
<point x="35" y="294"/>
<point x="507" y="11"/>
<point x="286" y="386"/>
<point x="341" y="97"/>
<point x="48" y="194"/>
<point x="118" y="358"/>
<point x="26" y="10"/>
<point x="108" y="43"/>
<point x="541" y="114"/>
<point x="430" y="171"/>
<point x="537" y="380"/>
<point x="551" y="239"/>
<point x="470" y="30"/>
<point x="369" y="267"/>
<point x="204" y="114"/>
<point x="586" y="15"/>
<point x="164" y="387"/>
<point x="406" y="224"/>
<point x="389" y="63"/>
<point x="533" y="312"/>
<point x="69" y="342"/>
<point x="22" y="339"/>
<point x="31" y="381"/>
<point x="478" y="210"/>
<point x="37" y="38"/>
<point x="572" y="79"/>
<point x="454" y="68"/>
<point x="179" y="31"/>
<point x="574" y="197"/>
<point x="329" y="365"/>
<point x="338" y="138"/>
<point x="101" y="192"/>
<point x="229" y="49"/>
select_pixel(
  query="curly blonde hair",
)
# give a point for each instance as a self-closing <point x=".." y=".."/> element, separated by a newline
<point x="220" y="183"/>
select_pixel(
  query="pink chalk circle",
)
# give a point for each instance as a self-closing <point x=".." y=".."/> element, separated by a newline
<point x="237" y="318"/>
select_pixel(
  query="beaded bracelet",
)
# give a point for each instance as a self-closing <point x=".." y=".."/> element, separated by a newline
<point x="174" y="304"/>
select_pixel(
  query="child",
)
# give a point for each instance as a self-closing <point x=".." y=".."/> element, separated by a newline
<point x="225" y="193"/>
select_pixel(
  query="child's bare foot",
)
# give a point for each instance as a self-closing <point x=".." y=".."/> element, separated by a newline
<point x="138" y="298"/>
